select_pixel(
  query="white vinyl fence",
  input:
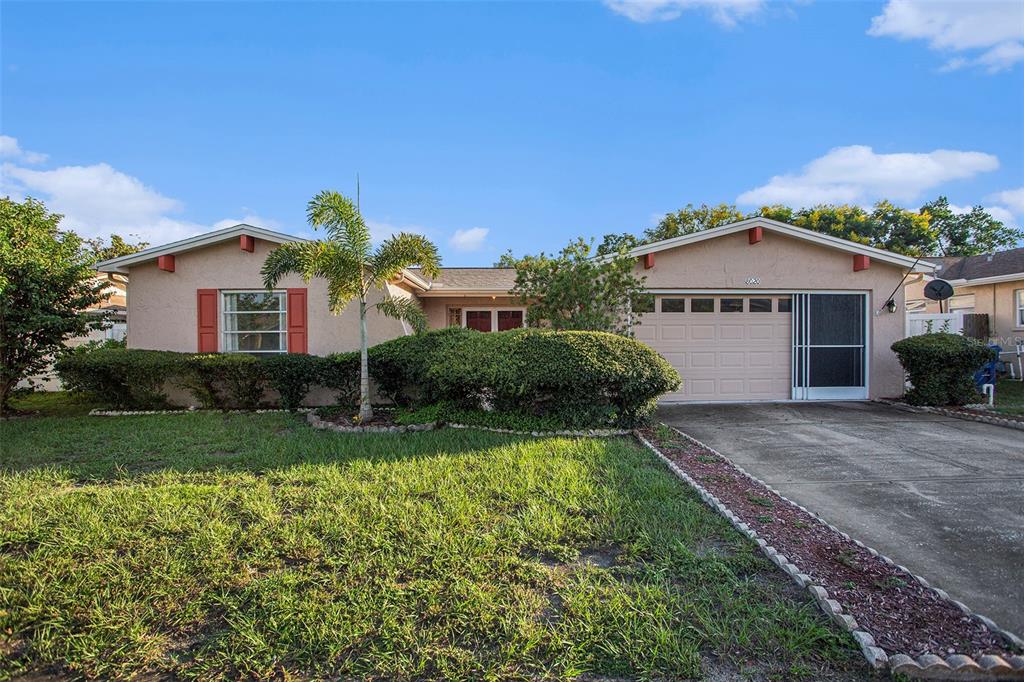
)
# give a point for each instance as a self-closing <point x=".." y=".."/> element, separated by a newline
<point x="925" y="323"/>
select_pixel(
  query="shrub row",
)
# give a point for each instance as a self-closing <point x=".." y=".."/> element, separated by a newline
<point x="941" y="367"/>
<point x="574" y="378"/>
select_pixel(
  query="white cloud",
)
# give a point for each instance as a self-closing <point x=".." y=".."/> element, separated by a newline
<point x="469" y="240"/>
<point x="856" y="174"/>
<point x="726" y="13"/>
<point x="10" y="149"/>
<point x="995" y="29"/>
<point x="1011" y="198"/>
<point x="99" y="200"/>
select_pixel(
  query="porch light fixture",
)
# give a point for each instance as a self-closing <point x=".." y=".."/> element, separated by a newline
<point x="890" y="305"/>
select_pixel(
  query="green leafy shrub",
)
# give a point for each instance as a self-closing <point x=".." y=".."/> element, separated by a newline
<point x="941" y="367"/>
<point x="576" y="378"/>
<point x="225" y="380"/>
<point x="119" y="377"/>
<point x="399" y="366"/>
<point x="292" y="375"/>
<point x="340" y="371"/>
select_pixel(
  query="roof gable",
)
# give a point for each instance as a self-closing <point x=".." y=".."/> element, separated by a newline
<point x="917" y="265"/>
<point x="122" y="263"/>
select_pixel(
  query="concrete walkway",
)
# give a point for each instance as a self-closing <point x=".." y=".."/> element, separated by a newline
<point x="942" y="496"/>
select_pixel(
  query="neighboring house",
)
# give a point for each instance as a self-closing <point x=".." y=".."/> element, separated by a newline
<point x="114" y="309"/>
<point x="755" y="310"/>
<point x="990" y="284"/>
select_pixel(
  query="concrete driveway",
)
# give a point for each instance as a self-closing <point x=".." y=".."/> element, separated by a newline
<point x="942" y="496"/>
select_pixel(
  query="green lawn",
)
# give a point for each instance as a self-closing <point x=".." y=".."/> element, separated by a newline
<point x="208" y="545"/>
<point x="1010" y="397"/>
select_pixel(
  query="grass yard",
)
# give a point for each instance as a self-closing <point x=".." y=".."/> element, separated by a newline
<point x="1010" y="397"/>
<point x="212" y="545"/>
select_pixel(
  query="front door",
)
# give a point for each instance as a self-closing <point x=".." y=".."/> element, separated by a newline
<point x="829" y="347"/>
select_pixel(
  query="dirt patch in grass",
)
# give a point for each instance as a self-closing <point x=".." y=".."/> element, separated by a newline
<point x="902" y="615"/>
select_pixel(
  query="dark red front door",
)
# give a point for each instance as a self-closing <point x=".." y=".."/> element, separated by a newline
<point x="479" y="320"/>
<point x="509" y="319"/>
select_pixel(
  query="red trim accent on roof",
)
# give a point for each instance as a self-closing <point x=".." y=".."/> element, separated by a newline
<point x="206" y="316"/>
<point x="165" y="263"/>
<point x="298" y="335"/>
<point x="248" y="242"/>
<point x="861" y="262"/>
<point x="755" y="234"/>
<point x="648" y="261"/>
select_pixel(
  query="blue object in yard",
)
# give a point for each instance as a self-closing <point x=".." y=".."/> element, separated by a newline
<point x="987" y="373"/>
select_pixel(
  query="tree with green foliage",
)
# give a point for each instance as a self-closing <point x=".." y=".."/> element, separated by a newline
<point x="692" y="219"/>
<point x="968" y="234"/>
<point x="613" y="243"/>
<point x="574" y="290"/>
<point x="46" y="284"/>
<point x="117" y="247"/>
<point x="353" y="268"/>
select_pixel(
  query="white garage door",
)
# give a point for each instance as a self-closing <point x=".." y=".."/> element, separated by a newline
<point x="726" y="347"/>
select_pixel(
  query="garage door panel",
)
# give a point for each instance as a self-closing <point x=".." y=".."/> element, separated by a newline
<point x="725" y="356"/>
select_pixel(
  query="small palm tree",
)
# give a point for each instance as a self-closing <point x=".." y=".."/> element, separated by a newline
<point x="352" y="268"/>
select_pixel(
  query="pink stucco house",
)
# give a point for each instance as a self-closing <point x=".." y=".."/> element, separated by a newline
<point x="755" y="310"/>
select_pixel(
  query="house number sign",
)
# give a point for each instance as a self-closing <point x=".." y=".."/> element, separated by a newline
<point x="753" y="281"/>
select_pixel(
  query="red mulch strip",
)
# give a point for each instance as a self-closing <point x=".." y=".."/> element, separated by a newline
<point x="988" y="413"/>
<point x="901" y="614"/>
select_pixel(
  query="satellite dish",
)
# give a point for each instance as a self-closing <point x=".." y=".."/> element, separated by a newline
<point x="938" y="290"/>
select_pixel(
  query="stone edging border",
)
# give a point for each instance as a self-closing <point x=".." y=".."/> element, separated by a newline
<point x="317" y="423"/>
<point x="590" y="433"/>
<point x="957" y="414"/>
<point x="955" y="666"/>
<point x="190" y="410"/>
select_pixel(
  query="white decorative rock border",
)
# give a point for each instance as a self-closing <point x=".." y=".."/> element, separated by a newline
<point x="590" y="433"/>
<point x="993" y="418"/>
<point x="928" y="666"/>
<point x="190" y="410"/>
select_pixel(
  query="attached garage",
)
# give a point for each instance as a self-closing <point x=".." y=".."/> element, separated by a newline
<point x="760" y="310"/>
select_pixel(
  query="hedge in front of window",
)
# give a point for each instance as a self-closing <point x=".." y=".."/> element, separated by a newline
<point x="123" y="378"/>
<point x="941" y="367"/>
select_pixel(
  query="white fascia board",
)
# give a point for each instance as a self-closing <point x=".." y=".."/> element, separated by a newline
<point x="995" y="279"/>
<point x="467" y="292"/>
<point x="122" y="263"/>
<point x="791" y="231"/>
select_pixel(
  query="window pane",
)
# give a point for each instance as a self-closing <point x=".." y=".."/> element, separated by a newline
<point x="253" y="301"/>
<point x="760" y="305"/>
<point x="837" y="366"/>
<point x="455" y="317"/>
<point x="254" y="322"/>
<point x="837" y="319"/>
<point x="509" y="319"/>
<point x="702" y="305"/>
<point x="732" y="305"/>
<point x="785" y="305"/>
<point x="673" y="305"/>
<point x="479" y="320"/>
<point x="247" y="342"/>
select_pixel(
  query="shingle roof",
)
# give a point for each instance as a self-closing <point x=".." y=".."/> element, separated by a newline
<point x="484" y="279"/>
<point x="977" y="267"/>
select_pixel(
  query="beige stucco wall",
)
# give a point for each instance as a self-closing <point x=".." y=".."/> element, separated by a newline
<point x="995" y="300"/>
<point x="162" y="305"/>
<point x="436" y="308"/>
<point x="788" y="264"/>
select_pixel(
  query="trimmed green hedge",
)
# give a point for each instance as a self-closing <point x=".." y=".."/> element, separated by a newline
<point x="570" y="378"/>
<point x="941" y="367"/>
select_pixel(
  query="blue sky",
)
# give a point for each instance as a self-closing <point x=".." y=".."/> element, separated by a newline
<point x="490" y="126"/>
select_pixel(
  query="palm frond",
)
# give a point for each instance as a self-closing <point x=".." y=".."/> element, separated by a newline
<point x="309" y="260"/>
<point x="404" y="250"/>
<point x="342" y="221"/>
<point x="404" y="309"/>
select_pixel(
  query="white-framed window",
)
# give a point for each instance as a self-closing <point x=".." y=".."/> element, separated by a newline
<point x="493" y="319"/>
<point x="254" y="321"/>
<point x="1018" y="296"/>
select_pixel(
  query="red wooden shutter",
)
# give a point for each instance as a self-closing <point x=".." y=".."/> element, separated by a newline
<point x="298" y="337"/>
<point x="207" y="318"/>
